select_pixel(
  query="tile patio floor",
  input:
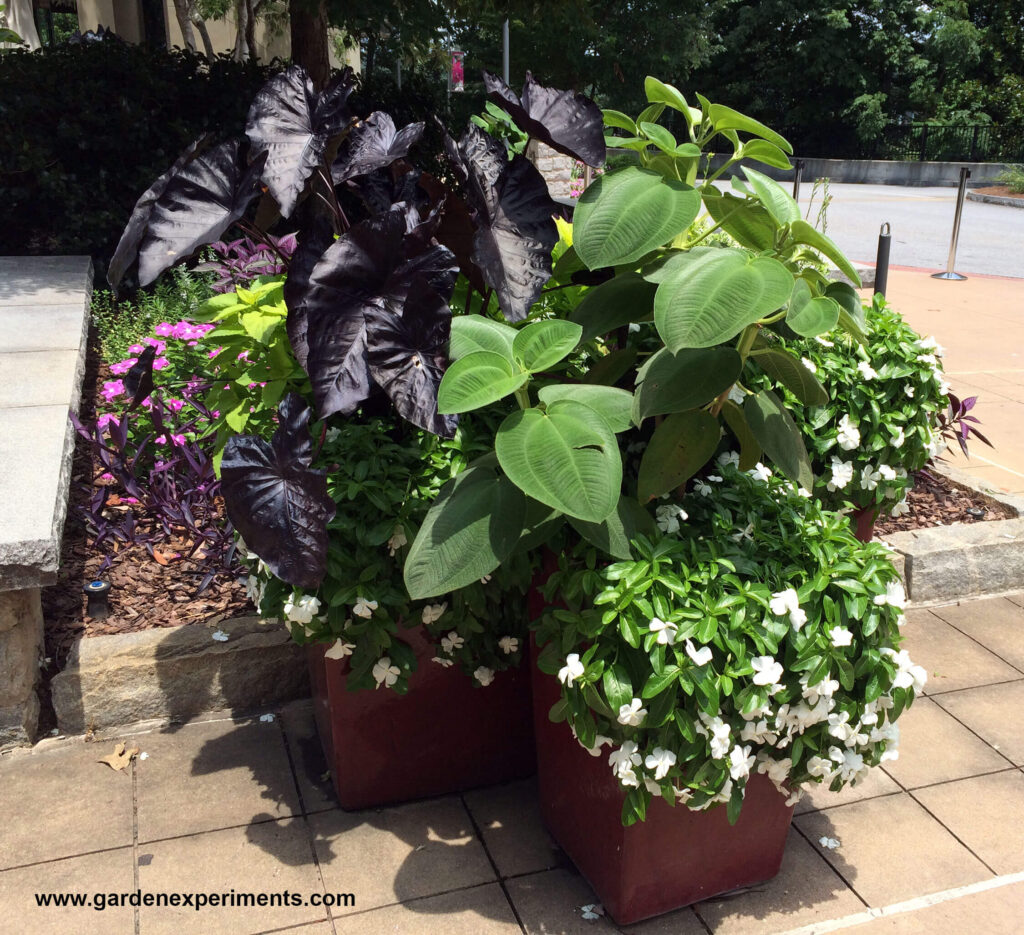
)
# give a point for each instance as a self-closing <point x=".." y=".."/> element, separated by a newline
<point x="221" y="804"/>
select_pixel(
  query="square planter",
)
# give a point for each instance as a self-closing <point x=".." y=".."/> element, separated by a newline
<point x="674" y="858"/>
<point x="445" y="735"/>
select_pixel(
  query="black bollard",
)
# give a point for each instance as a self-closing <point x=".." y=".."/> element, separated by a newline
<point x="797" y="176"/>
<point x="882" y="259"/>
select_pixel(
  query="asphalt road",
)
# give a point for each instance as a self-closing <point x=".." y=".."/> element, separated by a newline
<point x="991" y="236"/>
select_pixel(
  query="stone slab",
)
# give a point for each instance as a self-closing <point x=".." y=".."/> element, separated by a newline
<point x="40" y="378"/>
<point x="996" y="200"/>
<point x="44" y="280"/>
<point x="52" y="328"/>
<point x="178" y="673"/>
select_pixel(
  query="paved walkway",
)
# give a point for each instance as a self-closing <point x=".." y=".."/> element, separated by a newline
<point x="980" y="322"/>
<point x="932" y="844"/>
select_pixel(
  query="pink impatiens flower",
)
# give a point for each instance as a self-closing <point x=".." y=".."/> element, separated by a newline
<point x="123" y="366"/>
<point x="165" y="329"/>
<point x="112" y="389"/>
<point x="161" y="363"/>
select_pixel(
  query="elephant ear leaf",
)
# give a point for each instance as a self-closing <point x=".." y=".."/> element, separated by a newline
<point x="277" y="501"/>
<point x="406" y="353"/>
<point x="201" y="201"/>
<point x="567" y="121"/>
<point x="374" y="144"/>
<point x="138" y="381"/>
<point x="292" y="125"/>
<point x="128" y="246"/>
<point x="515" y="230"/>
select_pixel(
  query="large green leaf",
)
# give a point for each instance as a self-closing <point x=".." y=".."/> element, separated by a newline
<point x="659" y="136"/>
<point x="804" y="233"/>
<point x="750" y="450"/>
<point x="660" y="93"/>
<point x="567" y="264"/>
<point x="628" y="213"/>
<point x="475" y="333"/>
<point x="614" y="534"/>
<point x="543" y="344"/>
<point x="611" y="368"/>
<point x="778" y="435"/>
<point x="714" y="298"/>
<point x="614" y="303"/>
<point x="678" y="449"/>
<point x="615" y="405"/>
<point x="566" y="457"/>
<point x="786" y="369"/>
<point x="810" y="315"/>
<point x="616" y="118"/>
<point x="851" y="315"/>
<point x="685" y="380"/>
<point x="725" y="118"/>
<point x="766" y="152"/>
<point x="475" y="380"/>
<point x="471" y="528"/>
<point x="745" y="221"/>
<point x="776" y="200"/>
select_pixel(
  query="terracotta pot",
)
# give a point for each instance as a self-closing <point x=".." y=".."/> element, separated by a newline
<point x="445" y="735"/>
<point x="674" y="858"/>
<point x="863" y="522"/>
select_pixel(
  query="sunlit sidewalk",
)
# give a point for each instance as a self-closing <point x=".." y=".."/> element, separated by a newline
<point x="934" y="842"/>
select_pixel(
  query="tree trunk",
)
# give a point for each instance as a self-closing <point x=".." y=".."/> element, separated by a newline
<point x="204" y="33"/>
<point x="240" y="52"/>
<point x="185" y="24"/>
<point x="250" y="29"/>
<point x="309" y="39"/>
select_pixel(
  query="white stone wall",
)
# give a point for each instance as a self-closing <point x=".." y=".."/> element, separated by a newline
<point x="556" y="168"/>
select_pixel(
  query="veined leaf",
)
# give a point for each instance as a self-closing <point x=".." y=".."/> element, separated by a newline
<point x="792" y="374"/>
<point x="543" y="344"/>
<point x="617" y="302"/>
<point x="804" y="233"/>
<point x="626" y="214"/>
<point x="660" y="137"/>
<point x="810" y="315"/>
<point x="776" y="200"/>
<point x="745" y="221"/>
<point x="614" y="534"/>
<point x="613" y="404"/>
<point x="768" y="153"/>
<point x="725" y="118"/>
<point x="686" y="380"/>
<point x="475" y="380"/>
<point x="678" y="449"/>
<point x="714" y="298"/>
<point x="778" y="435"/>
<point x="851" y="315"/>
<point x="566" y="457"/>
<point x="475" y="333"/>
<point x="616" y="118"/>
<point x="612" y="367"/>
<point x="750" y="450"/>
<point x="660" y="93"/>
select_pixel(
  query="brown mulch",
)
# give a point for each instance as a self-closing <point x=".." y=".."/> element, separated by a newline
<point x="144" y="593"/>
<point x="1000" y="191"/>
<point x="935" y="500"/>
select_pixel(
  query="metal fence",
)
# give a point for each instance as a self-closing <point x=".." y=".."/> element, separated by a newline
<point x="914" y="141"/>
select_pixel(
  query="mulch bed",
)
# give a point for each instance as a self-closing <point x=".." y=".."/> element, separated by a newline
<point x="1000" y="191"/>
<point x="147" y="594"/>
<point x="144" y="593"/>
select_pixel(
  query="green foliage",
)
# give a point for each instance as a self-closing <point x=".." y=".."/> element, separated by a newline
<point x="1013" y="179"/>
<point x="84" y="130"/>
<point x="757" y="636"/>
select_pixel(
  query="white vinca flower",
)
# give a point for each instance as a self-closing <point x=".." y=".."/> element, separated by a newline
<point x="340" y="649"/>
<point x="766" y="670"/>
<point x="729" y="457"/>
<point x="841" y="637"/>
<point x="451" y="642"/>
<point x="886" y="472"/>
<point x="703" y="488"/>
<point x="866" y="370"/>
<point x="384" y="673"/>
<point x="809" y="364"/>
<point x="849" y="435"/>
<point x="930" y="344"/>
<point x="624" y="762"/>
<point x="819" y="767"/>
<point x="397" y="540"/>
<point x="787" y="601"/>
<point x="632" y="714"/>
<point x="301" y="609"/>
<point x="433" y="612"/>
<point x="508" y="645"/>
<point x="665" y="629"/>
<point x="668" y="518"/>
<point x="572" y="670"/>
<point x="868" y="478"/>
<point x="842" y="474"/>
<point x="364" y="608"/>
<point x="895" y="596"/>
<point x="699" y="657"/>
<point x="484" y="675"/>
<point x="909" y="390"/>
<point x="908" y="675"/>
<point x="760" y="472"/>
<point x="740" y="761"/>
<point x="599" y="741"/>
<point x="736" y="395"/>
<point x="898" y="438"/>
<point x="661" y="761"/>
<point x="443" y="662"/>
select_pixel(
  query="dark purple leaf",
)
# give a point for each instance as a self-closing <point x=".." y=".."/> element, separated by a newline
<point x="276" y="500"/>
<point x="374" y="144"/>
<point x="316" y="237"/>
<point x="568" y="122"/>
<point x="128" y="246"/>
<point x="515" y="230"/>
<point x="138" y="381"/>
<point x="407" y="356"/>
<point x="201" y="201"/>
<point x="292" y="124"/>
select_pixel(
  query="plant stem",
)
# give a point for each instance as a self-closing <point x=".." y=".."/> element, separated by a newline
<point x="725" y="165"/>
<point x="523" y="397"/>
<point x="746" y="340"/>
<point x="711" y="230"/>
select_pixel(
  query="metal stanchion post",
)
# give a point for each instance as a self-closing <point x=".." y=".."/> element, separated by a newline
<point x="882" y="259"/>
<point x="965" y="174"/>
<point x="796" y="179"/>
<point x="504" y="51"/>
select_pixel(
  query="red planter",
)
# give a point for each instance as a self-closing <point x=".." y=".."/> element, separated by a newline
<point x="674" y="858"/>
<point x="447" y="734"/>
<point x="863" y="522"/>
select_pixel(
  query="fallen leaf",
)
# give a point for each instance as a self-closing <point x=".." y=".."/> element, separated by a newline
<point x="121" y="756"/>
<point x="161" y="559"/>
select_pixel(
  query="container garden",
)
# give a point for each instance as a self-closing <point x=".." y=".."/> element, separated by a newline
<point x="672" y="859"/>
<point x="445" y="735"/>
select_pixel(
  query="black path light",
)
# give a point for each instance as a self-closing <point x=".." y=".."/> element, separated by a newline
<point x="97" y="591"/>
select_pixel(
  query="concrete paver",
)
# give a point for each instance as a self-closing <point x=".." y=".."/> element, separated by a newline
<point x="241" y="806"/>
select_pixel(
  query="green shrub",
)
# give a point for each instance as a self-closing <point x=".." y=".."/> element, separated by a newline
<point x="1012" y="178"/>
